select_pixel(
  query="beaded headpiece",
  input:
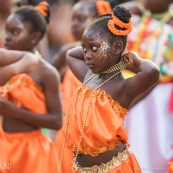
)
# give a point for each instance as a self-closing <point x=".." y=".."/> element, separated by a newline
<point x="126" y="27"/>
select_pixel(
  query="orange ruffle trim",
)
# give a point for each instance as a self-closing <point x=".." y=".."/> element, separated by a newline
<point x="126" y="26"/>
<point x="24" y="92"/>
<point x="28" y="152"/>
<point x="104" y="129"/>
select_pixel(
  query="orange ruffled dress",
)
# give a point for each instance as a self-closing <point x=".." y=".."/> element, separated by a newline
<point x="104" y="128"/>
<point x="70" y="84"/>
<point x="26" y="152"/>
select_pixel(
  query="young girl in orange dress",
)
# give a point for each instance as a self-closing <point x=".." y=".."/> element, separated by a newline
<point x="94" y="125"/>
<point x="83" y="14"/>
<point x="30" y="100"/>
<point x="14" y="62"/>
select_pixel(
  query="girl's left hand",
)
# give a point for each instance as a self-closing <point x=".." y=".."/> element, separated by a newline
<point x="133" y="60"/>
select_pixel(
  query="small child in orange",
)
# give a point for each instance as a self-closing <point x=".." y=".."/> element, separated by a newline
<point x="94" y="125"/>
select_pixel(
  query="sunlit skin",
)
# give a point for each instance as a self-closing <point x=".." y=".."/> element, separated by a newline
<point x="103" y="48"/>
<point x="157" y="6"/>
<point x="97" y="51"/>
<point x="83" y="15"/>
<point x="5" y="5"/>
<point x="18" y="34"/>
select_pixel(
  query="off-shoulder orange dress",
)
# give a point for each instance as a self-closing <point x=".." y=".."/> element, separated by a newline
<point x="68" y="87"/>
<point x="103" y="129"/>
<point x="26" y="152"/>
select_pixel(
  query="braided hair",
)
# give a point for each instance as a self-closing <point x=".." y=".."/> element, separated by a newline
<point x="38" y="16"/>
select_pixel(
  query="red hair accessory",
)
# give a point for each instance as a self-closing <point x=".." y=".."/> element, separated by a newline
<point x="42" y="7"/>
<point x="122" y="25"/>
<point x="103" y="7"/>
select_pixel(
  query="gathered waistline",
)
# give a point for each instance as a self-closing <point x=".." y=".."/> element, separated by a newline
<point x="105" y="167"/>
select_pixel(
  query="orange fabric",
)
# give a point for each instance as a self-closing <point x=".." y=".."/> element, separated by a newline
<point x="29" y="152"/>
<point x="104" y="126"/>
<point x="115" y="21"/>
<point x="68" y="154"/>
<point x="70" y="84"/>
<point x="103" y="7"/>
<point x="3" y="158"/>
<point x="42" y="7"/>
<point x="24" y="92"/>
<point x="170" y="166"/>
<point x="67" y="88"/>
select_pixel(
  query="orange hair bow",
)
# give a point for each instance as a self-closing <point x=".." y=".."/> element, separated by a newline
<point x="103" y="7"/>
<point x="42" y="7"/>
<point x="122" y="25"/>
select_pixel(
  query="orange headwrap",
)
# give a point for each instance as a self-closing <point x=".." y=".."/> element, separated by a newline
<point x="42" y="7"/>
<point x="122" y="25"/>
<point x="103" y="7"/>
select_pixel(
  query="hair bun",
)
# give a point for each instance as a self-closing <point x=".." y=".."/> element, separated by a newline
<point x="122" y="13"/>
<point x="121" y="22"/>
<point x="43" y="8"/>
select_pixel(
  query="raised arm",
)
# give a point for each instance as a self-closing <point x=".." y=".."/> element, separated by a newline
<point x="59" y="59"/>
<point x="14" y="62"/>
<point x="75" y="60"/>
<point x="53" y="118"/>
<point x="147" y="75"/>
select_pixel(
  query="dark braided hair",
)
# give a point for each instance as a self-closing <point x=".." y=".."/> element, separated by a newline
<point x="32" y="16"/>
<point x="122" y="13"/>
<point x="100" y="24"/>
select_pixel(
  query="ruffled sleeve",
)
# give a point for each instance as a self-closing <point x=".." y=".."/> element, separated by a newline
<point x="104" y="128"/>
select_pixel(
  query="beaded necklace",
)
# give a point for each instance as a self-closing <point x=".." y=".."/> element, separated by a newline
<point x="118" y="67"/>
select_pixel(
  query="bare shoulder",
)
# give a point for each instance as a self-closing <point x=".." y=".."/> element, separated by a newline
<point x="49" y="72"/>
<point x="69" y="46"/>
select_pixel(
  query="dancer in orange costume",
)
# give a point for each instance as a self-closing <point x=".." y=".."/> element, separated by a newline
<point x="20" y="64"/>
<point x="83" y="14"/>
<point x="94" y="124"/>
<point x="30" y="100"/>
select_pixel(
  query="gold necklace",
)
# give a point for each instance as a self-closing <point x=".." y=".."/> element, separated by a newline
<point x="86" y="113"/>
<point x="116" y="67"/>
